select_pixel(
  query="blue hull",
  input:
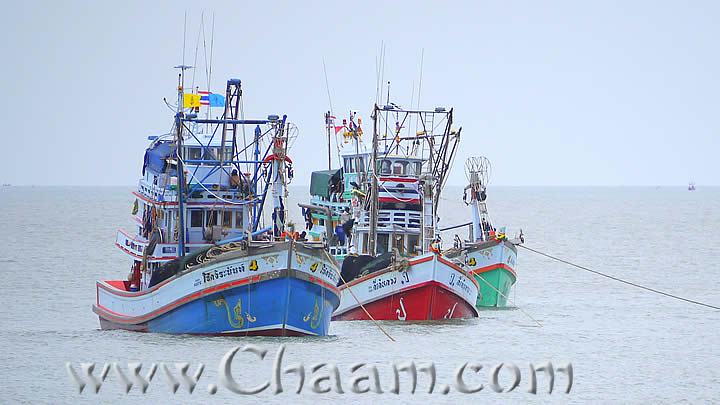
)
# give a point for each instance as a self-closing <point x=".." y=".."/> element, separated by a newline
<point x="284" y="306"/>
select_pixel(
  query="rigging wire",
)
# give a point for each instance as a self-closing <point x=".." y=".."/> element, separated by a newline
<point x="332" y="112"/>
<point x="677" y="297"/>
<point x="422" y="59"/>
<point x="327" y="86"/>
<point x="212" y="44"/>
<point x="197" y="46"/>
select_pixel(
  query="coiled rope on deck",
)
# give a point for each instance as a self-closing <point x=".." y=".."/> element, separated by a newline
<point x="677" y="297"/>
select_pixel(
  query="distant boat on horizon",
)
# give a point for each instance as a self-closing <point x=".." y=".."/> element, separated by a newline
<point x="7" y="185"/>
<point x="691" y="186"/>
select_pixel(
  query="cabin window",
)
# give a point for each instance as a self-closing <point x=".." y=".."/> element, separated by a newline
<point x="398" y="168"/>
<point x="413" y="168"/>
<point x="385" y="167"/>
<point x="211" y="153"/>
<point x="227" y="219"/>
<point x="382" y="243"/>
<point x="413" y="242"/>
<point x="349" y="165"/>
<point x="194" y="153"/>
<point x="239" y="219"/>
<point x="196" y="218"/>
<point x="364" y="243"/>
<point x="211" y="218"/>
<point x="361" y="164"/>
<point x="229" y="155"/>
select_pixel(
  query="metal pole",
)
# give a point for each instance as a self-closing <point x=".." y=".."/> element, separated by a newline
<point x="327" y="124"/>
<point x="180" y="166"/>
<point x="374" y="188"/>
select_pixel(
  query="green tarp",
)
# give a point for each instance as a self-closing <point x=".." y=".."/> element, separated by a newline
<point x="322" y="181"/>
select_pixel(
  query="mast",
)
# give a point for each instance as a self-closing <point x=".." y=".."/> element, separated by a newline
<point x="477" y="170"/>
<point x="278" y="175"/>
<point x="180" y="167"/>
<point x="374" y="186"/>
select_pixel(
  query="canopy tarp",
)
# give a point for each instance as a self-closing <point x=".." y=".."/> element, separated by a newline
<point x="155" y="156"/>
<point x="321" y="182"/>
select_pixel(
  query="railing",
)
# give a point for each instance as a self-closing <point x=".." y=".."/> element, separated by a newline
<point x="392" y="218"/>
<point x="159" y="192"/>
<point x="135" y="246"/>
<point x="334" y="205"/>
<point x="338" y="251"/>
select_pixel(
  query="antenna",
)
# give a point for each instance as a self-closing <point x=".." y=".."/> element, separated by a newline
<point x="184" y="37"/>
<point x="328" y="119"/>
<point x="212" y="44"/>
<point x="327" y="86"/>
<point x="379" y="72"/>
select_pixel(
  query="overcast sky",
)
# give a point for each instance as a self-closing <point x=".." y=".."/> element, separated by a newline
<point x="552" y="92"/>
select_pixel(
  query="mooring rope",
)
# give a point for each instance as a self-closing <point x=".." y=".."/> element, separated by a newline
<point x="677" y="297"/>
<point x="363" y="307"/>
<point x="512" y="301"/>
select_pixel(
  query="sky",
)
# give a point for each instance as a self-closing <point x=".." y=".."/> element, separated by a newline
<point x="556" y="93"/>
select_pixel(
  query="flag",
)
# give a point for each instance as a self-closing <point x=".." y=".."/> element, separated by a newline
<point x="216" y="100"/>
<point x="338" y="128"/>
<point x="204" y="97"/>
<point x="191" y="100"/>
<point x="211" y="99"/>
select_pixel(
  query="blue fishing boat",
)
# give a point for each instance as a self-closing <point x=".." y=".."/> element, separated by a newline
<point x="207" y="258"/>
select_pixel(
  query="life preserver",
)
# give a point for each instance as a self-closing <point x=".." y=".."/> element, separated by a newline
<point x="274" y="157"/>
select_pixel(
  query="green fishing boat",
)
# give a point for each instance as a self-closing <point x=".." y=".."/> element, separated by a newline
<point x="488" y="254"/>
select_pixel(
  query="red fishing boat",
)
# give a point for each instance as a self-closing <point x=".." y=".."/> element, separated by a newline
<point x="396" y="270"/>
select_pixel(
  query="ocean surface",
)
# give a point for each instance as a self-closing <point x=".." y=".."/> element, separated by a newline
<point x="624" y="344"/>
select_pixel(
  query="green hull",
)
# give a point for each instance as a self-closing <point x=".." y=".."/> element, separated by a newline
<point x="500" y="280"/>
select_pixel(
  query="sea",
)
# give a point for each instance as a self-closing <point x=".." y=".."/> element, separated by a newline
<point x="622" y="343"/>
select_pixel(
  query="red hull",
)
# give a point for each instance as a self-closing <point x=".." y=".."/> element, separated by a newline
<point x="425" y="302"/>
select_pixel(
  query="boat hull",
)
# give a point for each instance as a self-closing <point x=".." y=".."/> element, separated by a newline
<point x="493" y="266"/>
<point x="285" y="290"/>
<point x="430" y="288"/>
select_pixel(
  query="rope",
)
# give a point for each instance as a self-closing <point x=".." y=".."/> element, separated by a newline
<point x="512" y="301"/>
<point x="621" y="280"/>
<point x="363" y="307"/>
